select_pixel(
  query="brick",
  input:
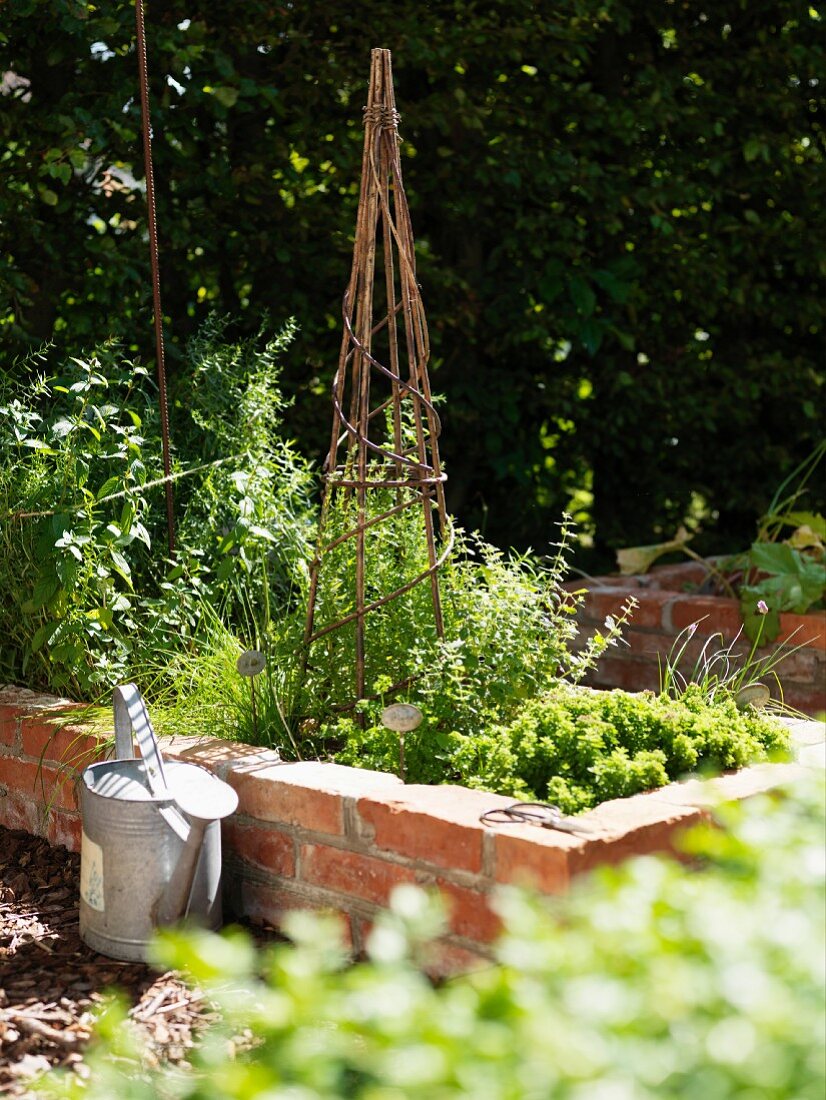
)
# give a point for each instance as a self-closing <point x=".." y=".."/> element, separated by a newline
<point x="471" y="918"/>
<point x="807" y="701"/>
<point x="732" y="787"/>
<point x="608" y="580"/>
<point x="309" y="794"/>
<point x="647" y="644"/>
<point x="268" y="848"/>
<point x="529" y="856"/>
<point x="444" y="959"/>
<point x="605" y="601"/>
<point x="435" y="824"/>
<point x="71" y="745"/>
<point x="17" y="701"/>
<point x="25" y="698"/>
<point x="8" y="725"/>
<point x="676" y="578"/>
<point x="810" y="629"/>
<point x="713" y="614"/>
<point x="469" y="912"/>
<point x="217" y="754"/>
<point x="271" y="903"/>
<point x="65" y="829"/>
<point x="26" y="778"/>
<point x="263" y="796"/>
<point x="19" y="812"/>
<point x="630" y="674"/>
<point x="653" y="607"/>
<point x="629" y="827"/>
<point x="351" y="873"/>
<point x="803" y="666"/>
<point x="40" y="784"/>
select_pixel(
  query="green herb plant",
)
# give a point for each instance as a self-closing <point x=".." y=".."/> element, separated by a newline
<point x="787" y="574"/>
<point x="87" y="597"/>
<point x="576" y="748"/>
<point x="509" y="629"/>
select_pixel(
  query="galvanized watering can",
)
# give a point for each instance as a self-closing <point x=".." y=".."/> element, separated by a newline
<point x="151" y="845"/>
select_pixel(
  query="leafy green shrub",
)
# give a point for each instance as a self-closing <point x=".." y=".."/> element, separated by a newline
<point x="87" y="597"/>
<point x="577" y="748"/>
<point x="651" y="980"/>
<point x="508" y="623"/>
<point x="73" y="462"/>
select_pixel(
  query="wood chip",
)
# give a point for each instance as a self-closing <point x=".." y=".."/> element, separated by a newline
<point x="51" y="982"/>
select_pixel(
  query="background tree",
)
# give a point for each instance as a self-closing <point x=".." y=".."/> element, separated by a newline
<point x="616" y="207"/>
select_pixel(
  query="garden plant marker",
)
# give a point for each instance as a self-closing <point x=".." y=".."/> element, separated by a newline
<point x="402" y="718"/>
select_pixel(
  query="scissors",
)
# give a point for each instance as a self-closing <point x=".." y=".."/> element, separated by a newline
<point x="543" y="814"/>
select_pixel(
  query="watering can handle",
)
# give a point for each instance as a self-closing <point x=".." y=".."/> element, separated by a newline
<point x="132" y="721"/>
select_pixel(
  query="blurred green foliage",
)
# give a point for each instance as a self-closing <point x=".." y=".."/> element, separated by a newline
<point x="653" y="980"/>
<point x="615" y="204"/>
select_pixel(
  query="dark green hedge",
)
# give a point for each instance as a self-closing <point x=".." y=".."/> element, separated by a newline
<point x="616" y="203"/>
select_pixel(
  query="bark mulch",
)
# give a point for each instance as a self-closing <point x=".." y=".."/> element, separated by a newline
<point x="51" y="982"/>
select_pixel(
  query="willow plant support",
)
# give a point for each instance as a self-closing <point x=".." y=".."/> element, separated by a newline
<point x="385" y="428"/>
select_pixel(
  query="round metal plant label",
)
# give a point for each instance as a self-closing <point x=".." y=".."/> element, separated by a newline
<point x="401" y="717"/>
<point x="251" y="663"/>
<point x="752" y="695"/>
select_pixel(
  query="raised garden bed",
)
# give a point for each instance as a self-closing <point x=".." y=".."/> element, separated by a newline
<point x="322" y="835"/>
<point x="669" y="601"/>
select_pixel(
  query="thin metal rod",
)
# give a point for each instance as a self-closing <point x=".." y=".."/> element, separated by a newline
<point x="146" y="125"/>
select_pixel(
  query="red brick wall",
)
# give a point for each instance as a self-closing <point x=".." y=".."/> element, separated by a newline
<point x="665" y="608"/>
<point x="319" y="835"/>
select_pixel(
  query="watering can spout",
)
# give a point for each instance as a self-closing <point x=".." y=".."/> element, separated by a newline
<point x="204" y="799"/>
<point x="173" y="903"/>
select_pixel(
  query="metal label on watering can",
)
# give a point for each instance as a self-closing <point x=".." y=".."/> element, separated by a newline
<point x="91" y="873"/>
<point x="151" y="843"/>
